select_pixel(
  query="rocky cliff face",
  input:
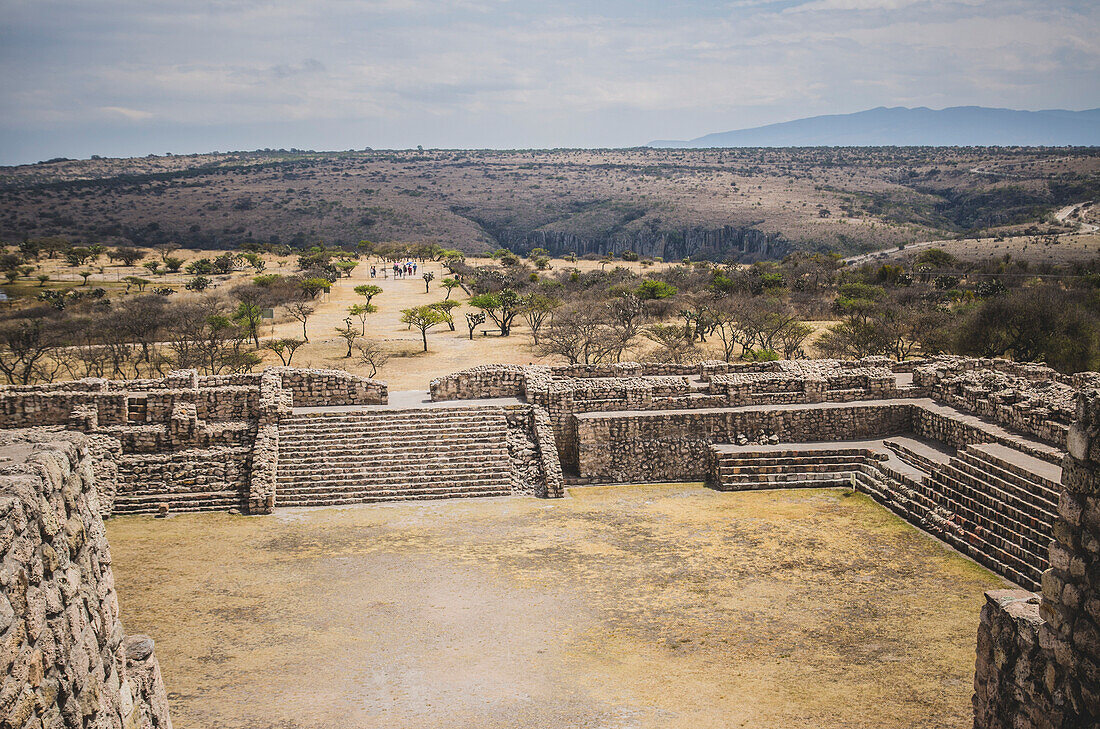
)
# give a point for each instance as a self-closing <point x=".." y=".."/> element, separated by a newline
<point x="719" y="244"/>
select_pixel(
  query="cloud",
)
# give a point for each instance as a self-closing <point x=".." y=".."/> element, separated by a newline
<point x="487" y="72"/>
<point x="130" y="114"/>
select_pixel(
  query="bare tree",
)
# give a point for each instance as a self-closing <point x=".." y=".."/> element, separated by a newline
<point x="536" y="309"/>
<point x="581" y="335"/>
<point x="349" y="334"/>
<point x="372" y="356"/>
<point x="24" y="346"/>
<point x="301" y="311"/>
<point x="284" y="348"/>
<point x="675" y="342"/>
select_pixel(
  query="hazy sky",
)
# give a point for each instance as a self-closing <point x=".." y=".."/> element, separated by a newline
<point x="130" y="77"/>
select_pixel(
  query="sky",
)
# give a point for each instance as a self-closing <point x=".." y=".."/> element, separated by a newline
<point x="134" y="77"/>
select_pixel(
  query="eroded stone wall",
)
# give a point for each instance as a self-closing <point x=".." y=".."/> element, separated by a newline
<point x="1038" y="658"/>
<point x="67" y="660"/>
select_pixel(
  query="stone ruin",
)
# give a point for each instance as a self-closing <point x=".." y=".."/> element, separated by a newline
<point x="998" y="459"/>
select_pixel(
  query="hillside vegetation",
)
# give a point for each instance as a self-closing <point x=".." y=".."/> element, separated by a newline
<point x="721" y="204"/>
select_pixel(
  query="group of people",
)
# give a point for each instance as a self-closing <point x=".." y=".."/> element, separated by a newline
<point x="400" y="270"/>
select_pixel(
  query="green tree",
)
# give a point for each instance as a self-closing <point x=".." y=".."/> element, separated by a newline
<point x="349" y="334"/>
<point x="313" y="286"/>
<point x="423" y="318"/>
<point x="198" y="284"/>
<point x="249" y="314"/>
<point x="127" y="254"/>
<point x="368" y="291"/>
<point x="284" y="348"/>
<point x="536" y="308"/>
<point x="650" y="289"/>
<point x="450" y="284"/>
<point x="362" y="311"/>
<point x="445" y="307"/>
<point x="502" y="308"/>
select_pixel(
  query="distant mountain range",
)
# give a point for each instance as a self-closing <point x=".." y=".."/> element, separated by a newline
<point x="962" y="126"/>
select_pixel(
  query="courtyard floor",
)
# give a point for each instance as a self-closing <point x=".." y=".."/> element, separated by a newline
<point x="635" y="606"/>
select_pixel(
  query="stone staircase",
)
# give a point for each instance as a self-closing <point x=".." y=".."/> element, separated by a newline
<point x="1005" y="503"/>
<point x="810" y="467"/>
<point x="331" y="458"/>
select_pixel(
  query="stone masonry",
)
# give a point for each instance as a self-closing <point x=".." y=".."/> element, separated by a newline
<point x="974" y="451"/>
<point x="67" y="661"/>
<point x="1038" y="661"/>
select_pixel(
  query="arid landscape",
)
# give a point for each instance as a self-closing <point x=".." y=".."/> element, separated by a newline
<point x="656" y="202"/>
<point x="509" y="364"/>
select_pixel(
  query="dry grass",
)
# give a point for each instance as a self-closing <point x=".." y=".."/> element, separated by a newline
<point x="656" y="606"/>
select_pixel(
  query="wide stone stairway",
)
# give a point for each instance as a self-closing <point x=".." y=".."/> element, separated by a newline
<point x="329" y="458"/>
<point x="1005" y="499"/>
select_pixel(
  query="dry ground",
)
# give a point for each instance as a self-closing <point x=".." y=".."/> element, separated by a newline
<point x="657" y="606"/>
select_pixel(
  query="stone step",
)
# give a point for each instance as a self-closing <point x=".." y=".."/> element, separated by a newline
<point x="1030" y="495"/>
<point x="367" y="465"/>
<point x="383" y="445"/>
<point x="911" y="456"/>
<point x="423" y="485"/>
<point x="1029" y="509"/>
<point x="995" y="517"/>
<point x="178" y="502"/>
<point x="825" y="481"/>
<point x="1032" y="483"/>
<point x="396" y="418"/>
<point x="792" y="460"/>
<point x="378" y="497"/>
<point x="338" y="477"/>
<point x="992" y="550"/>
<point x="793" y="452"/>
<point x="811" y="467"/>
<point x="470" y="451"/>
<point x="409" y="436"/>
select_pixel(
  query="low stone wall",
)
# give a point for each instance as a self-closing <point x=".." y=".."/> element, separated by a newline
<point x="183" y="472"/>
<point x="543" y="432"/>
<point x="1010" y="690"/>
<point x="68" y="661"/>
<point x="312" y="388"/>
<point x="672" y="446"/>
<point x="480" y="382"/>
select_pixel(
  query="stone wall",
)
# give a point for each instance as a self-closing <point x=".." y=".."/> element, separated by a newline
<point x="1029" y="398"/>
<point x="311" y="388"/>
<point x="1010" y="690"/>
<point x="185" y="440"/>
<point x="68" y="662"/>
<point x="672" y="446"/>
<point x="1071" y="588"/>
<point x="480" y="382"/>
<point x="1038" y="659"/>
